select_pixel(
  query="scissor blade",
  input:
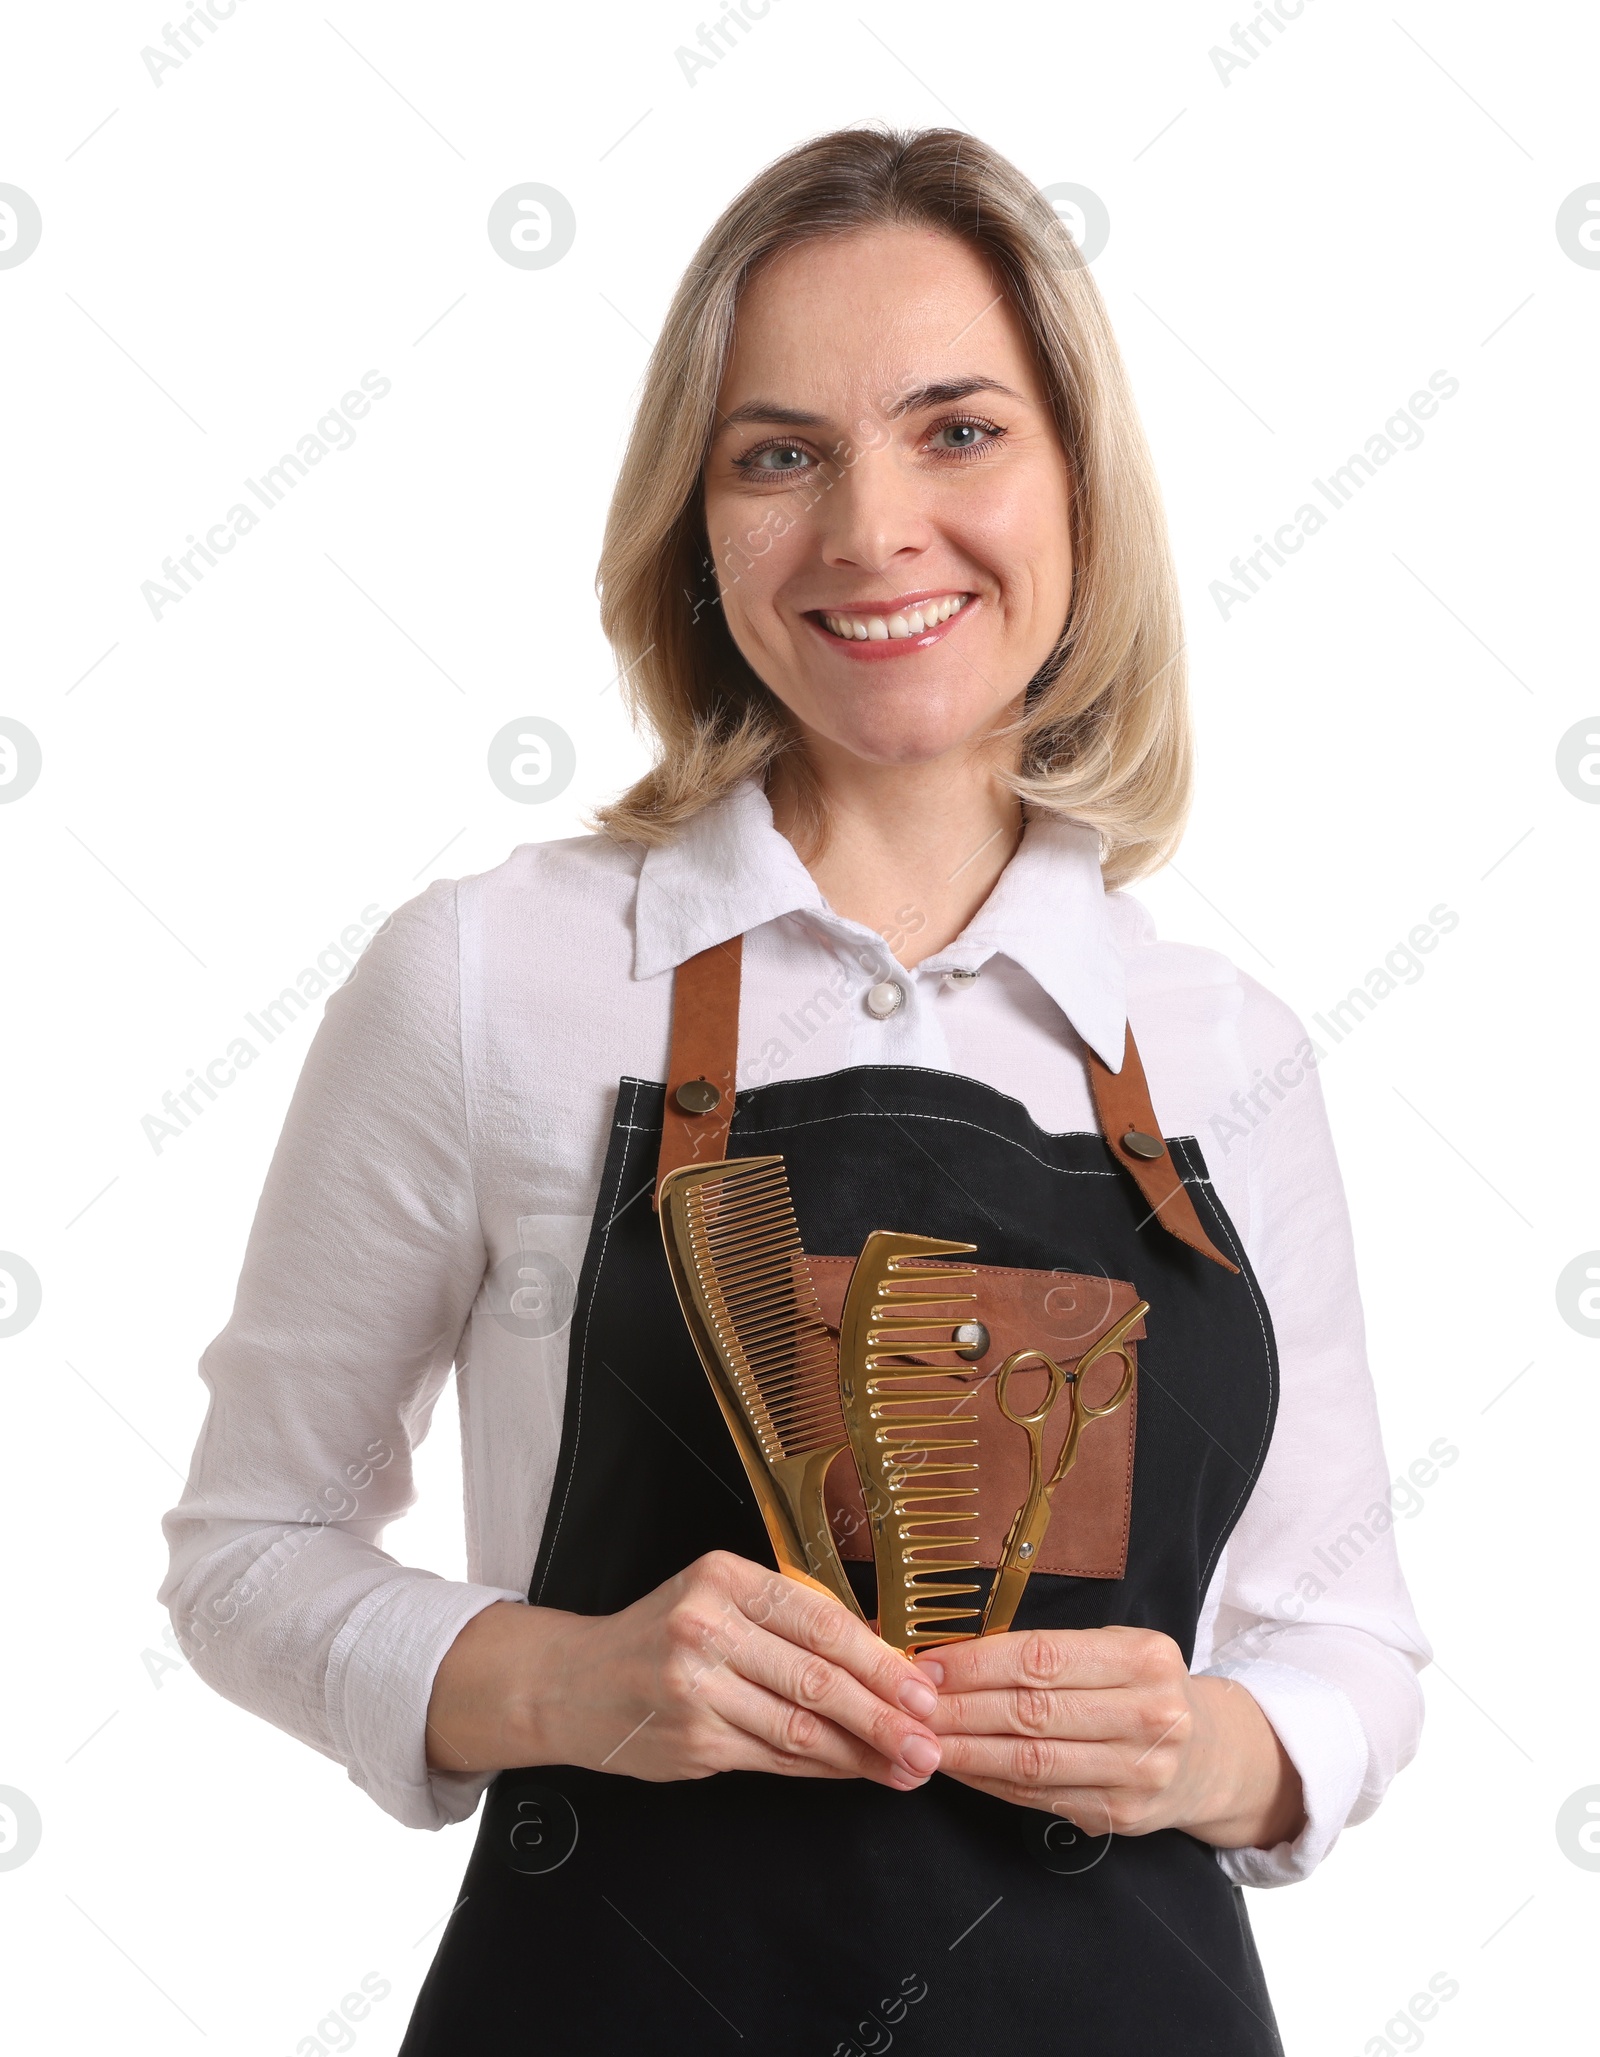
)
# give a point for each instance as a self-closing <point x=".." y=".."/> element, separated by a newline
<point x="1017" y="1560"/>
<point x="1005" y="1596"/>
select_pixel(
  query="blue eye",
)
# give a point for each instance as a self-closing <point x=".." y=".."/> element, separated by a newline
<point x="774" y="458"/>
<point x="965" y="438"/>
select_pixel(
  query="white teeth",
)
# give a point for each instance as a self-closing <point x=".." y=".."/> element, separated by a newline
<point x="878" y="628"/>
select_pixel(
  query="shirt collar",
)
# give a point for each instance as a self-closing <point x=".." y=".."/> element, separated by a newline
<point x="729" y="870"/>
<point x="1048" y="914"/>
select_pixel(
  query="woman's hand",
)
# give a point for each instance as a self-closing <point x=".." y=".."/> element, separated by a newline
<point x="1107" y="1728"/>
<point x="727" y="1667"/>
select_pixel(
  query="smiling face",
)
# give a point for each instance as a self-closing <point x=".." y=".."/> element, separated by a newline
<point x="887" y="499"/>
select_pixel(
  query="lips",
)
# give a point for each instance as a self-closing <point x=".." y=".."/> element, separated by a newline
<point x="892" y="628"/>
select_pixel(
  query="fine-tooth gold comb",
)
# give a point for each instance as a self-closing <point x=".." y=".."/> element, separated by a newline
<point x="741" y="1278"/>
<point x="907" y="1424"/>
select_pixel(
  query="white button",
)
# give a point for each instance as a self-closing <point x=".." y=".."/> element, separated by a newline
<point x="962" y="981"/>
<point x="885" y="999"/>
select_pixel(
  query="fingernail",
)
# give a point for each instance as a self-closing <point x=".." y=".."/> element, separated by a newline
<point x="917" y="1696"/>
<point x="931" y="1668"/>
<point x="921" y="1753"/>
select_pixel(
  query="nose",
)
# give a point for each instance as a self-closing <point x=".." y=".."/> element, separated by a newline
<point x="873" y="519"/>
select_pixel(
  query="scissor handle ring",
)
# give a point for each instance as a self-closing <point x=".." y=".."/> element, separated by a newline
<point x="1111" y="1345"/>
<point x="1123" y="1390"/>
<point x="1002" y="1381"/>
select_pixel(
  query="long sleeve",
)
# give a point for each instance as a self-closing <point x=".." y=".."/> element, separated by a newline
<point x="1309" y="1609"/>
<point x="362" y="1265"/>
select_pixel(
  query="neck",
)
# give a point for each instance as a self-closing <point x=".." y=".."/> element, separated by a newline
<point x="911" y="850"/>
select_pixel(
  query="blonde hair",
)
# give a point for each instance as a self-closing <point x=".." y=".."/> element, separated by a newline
<point x="1104" y="735"/>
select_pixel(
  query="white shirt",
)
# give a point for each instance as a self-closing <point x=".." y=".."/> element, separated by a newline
<point x="454" y="1110"/>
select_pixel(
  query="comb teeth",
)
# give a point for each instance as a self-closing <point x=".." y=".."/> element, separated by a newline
<point x="914" y="1434"/>
<point x="733" y="1247"/>
<point x="919" y="1430"/>
<point x="744" y="1246"/>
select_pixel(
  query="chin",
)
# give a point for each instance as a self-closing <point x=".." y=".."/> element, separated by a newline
<point x="903" y="742"/>
<point x="908" y="727"/>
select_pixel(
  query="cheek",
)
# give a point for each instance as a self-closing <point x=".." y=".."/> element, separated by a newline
<point x="1021" y="536"/>
<point x="767" y="550"/>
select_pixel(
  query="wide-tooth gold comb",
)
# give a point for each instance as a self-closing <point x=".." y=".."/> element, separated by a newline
<point x="741" y="1279"/>
<point x="907" y="1423"/>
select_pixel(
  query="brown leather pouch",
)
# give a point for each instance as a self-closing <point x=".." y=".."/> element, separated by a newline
<point x="1061" y="1313"/>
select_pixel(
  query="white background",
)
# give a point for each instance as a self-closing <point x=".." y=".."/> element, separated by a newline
<point x="1292" y="253"/>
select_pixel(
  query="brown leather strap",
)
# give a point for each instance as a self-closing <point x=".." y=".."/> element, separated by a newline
<point x="1122" y="1101"/>
<point x="705" y="1049"/>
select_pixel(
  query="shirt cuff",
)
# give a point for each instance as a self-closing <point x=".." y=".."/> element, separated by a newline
<point x="1318" y="1726"/>
<point x="380" y="1676"/>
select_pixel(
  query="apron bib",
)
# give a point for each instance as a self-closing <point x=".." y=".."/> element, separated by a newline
<point x="830" y="1918"/>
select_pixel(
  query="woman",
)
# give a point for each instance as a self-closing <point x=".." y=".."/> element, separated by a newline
<point x="887" y="577"/>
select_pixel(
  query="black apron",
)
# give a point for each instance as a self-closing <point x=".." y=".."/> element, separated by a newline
<point x="600" y="1913"/>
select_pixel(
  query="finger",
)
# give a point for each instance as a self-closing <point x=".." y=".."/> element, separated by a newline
<point x="1018" y="1796"/>
<point x="805" y="1738"/>
<point x="1034" y="1761"/>
<point x="1084" y="1807"/>
<point x="814" y="1622"/>
<point x="812" y="1684"/>
<point x="1102" y="1717"/>
<point x="1084" y="1658"/>
<point x="742" y="1751"/>
<point x="787" y="1766"/>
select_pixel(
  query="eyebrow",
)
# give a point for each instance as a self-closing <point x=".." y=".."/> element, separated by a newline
<point x="935" y="393"/>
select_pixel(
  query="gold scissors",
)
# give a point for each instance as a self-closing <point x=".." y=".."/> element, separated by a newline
<point x="1027" y="1532"/>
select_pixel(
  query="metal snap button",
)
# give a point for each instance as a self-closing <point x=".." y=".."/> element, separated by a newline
<point x="698" y="1096"/>
<point x="1138" y="1144"/>
<point x="970" y="1340"/>
<point x="885" y="998"/>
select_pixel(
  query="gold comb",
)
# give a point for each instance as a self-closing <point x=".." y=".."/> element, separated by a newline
<point x="741" y="1279"/>
<point x="907" y="1422"/>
